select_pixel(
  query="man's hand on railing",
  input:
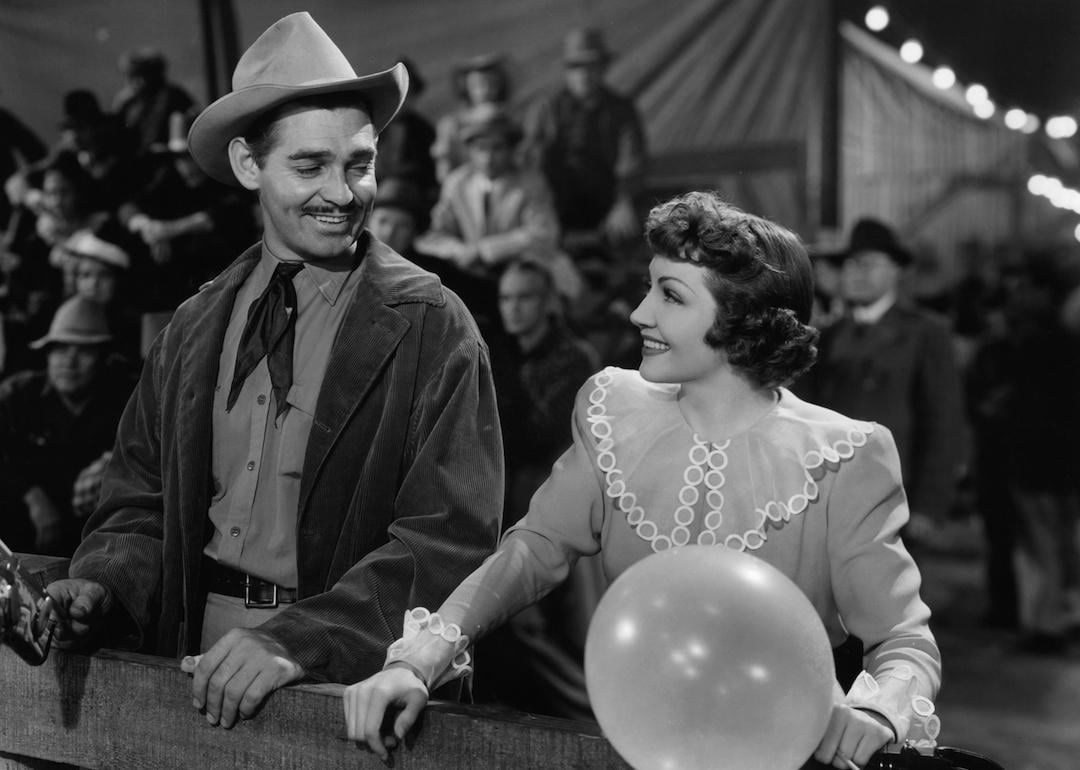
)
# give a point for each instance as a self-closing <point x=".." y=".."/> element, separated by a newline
<point x="233" y="678"/>
<point x="79" y="606"/>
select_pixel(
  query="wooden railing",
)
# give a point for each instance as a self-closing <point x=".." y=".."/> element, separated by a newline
<point x="124" y="710"/>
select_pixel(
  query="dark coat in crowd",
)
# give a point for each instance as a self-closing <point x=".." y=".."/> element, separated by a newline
<point x="399" y="496"/>
<point x="902" y="373"/>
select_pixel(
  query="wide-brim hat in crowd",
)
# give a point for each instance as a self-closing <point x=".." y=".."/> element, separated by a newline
<point x="585" y="45"/>
<point x="294" y="58"/>
<point x="489" y="120"/>
<point x="88" y="245"/>
<point x="79" y="321"/>
<point x="874" y="235"/>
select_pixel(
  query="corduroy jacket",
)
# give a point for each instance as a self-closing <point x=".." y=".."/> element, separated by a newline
<point x="401" y="490"/>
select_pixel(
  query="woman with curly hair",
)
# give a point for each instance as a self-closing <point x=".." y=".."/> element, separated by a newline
<point x="704" y="444"/>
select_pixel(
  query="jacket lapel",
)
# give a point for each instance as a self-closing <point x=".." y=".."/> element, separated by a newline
<point x="200" y="350"/>
<point x="368" y="337"/>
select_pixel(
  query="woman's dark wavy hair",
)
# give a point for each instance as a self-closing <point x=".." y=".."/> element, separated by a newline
<point x="759" y="274"/>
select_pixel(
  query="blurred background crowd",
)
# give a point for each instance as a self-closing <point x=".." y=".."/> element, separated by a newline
<point x="526" y="197"/>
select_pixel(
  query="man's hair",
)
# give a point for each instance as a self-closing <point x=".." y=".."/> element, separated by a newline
<point x="262" y="133"/>
<point x="759" y="274"/>
<point x="531" y="266"/>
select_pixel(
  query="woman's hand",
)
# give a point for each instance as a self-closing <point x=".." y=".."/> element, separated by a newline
<point x="852" y="735"/>
<point x="366" y="704"/>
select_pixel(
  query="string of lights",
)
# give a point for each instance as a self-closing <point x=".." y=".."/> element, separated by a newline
<point x="911" y="50"/>
<point x="1057" y="127"/>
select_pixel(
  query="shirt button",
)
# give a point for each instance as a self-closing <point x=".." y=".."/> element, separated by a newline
<point x="251" y="465"/>
<point x="261" y="399"/>
<point x="235" y="531"/>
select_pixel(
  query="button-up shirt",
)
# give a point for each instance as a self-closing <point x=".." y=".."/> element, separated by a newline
<point x="257" y="461"/>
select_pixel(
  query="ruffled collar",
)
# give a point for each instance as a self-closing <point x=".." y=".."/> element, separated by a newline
<point x="733" y="492"/>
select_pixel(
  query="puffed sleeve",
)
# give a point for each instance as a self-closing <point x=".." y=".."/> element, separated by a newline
<point x="563" y="523"/>
<point x="876" y="584"/>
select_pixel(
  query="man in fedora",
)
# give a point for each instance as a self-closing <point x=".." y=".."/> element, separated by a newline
<point x="893" y="363"/>
<point x="589" y="142"/>
<point x="55" y="423"/>
<point x="313" y="448"/>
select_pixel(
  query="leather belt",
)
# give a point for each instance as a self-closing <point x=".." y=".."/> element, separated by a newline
<point x="256" y="593"/>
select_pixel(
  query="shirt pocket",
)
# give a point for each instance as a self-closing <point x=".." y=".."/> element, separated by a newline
<point x="296" y="428"/>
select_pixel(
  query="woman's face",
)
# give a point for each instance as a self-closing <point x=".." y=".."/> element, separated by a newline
<point x="674" y="317"/>
<point x="95" y="281"/>
<point x="482" y="86"/>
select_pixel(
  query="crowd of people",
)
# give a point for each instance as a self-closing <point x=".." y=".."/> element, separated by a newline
<point x="253" y="399"/>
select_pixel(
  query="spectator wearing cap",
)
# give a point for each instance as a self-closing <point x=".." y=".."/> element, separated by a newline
<point x="148" y="99"/>
<point x="491" y="211"/>
<point x="405" y="145"/>
<point x="482" y="79"/>
<point x="102" y="269"/>
<point x="54" y="424"/>
<point x="589" y="143"/>
<point x="893" y="363"/>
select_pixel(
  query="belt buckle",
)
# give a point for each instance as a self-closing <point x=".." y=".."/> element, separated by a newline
<point x="250" y="605"/>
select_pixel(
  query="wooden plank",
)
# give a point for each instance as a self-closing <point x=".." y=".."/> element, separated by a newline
<point x="123" y="710"/>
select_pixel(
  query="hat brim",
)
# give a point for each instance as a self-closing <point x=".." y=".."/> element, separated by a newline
<point x="383" y="93"/>
<point x="900" y="256"/>
<point x="578" y="60"/>
<point x="70" y="339"/>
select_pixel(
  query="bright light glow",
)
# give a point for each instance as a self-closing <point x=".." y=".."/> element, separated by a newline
<point x="877" y="18"/>
<point x="976" y="93"/>
<point x="1073" y="200"/>
<point x="1076" y="232"/>
<point x="985" y="109"/>
<point x="1051" y="186"/>
<point x="625" y="631"/>
<point x="1060" y="198"/>
<point x="1037" y="185"/>
<point x="911" y="51"/>
<point x="944" y="78"/>
<point x="1060" y="127"/>
<point x="1031" y="124"/>
<point x="1015" y="118"/>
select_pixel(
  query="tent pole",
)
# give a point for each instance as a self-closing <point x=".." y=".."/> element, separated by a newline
<point x="829" y="214"/>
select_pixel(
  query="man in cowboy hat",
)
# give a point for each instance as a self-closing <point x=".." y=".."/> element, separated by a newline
<point x="893" y="363"/>
<point x="53" y="424"/>
<point x="589" y="142"/>
<point x="314" y="447"/>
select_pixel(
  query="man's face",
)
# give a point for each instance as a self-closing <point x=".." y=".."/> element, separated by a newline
<point x="523" y="302"/>
<point x="584" y="80"/>
<point x="867" y="276"/>
<point x="58" y="195"/>
<point x="393" y="226"/>
<point x="492" y="156"/>
<point x="72" y="369"/>
<point x="317" y="184"/>
<point x="95" y="281"/>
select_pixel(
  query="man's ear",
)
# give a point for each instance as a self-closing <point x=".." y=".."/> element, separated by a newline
<point x="243" y="163"/>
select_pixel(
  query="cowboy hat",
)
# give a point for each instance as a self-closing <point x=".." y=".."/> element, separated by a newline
<point x="585" y="45"/>
<point x="873" y="235"/>
<point x="88" y="245"/>
<point x="79" y="321"/>
<point x="294" y="58"/>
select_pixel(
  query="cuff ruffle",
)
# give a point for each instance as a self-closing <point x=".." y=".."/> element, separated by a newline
<point x="437" y="650"/>
<point x="894" y="697"/>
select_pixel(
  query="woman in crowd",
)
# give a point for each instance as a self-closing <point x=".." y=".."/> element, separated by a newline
<point x="705" y="445"/>
<point x="479" y="80"/>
